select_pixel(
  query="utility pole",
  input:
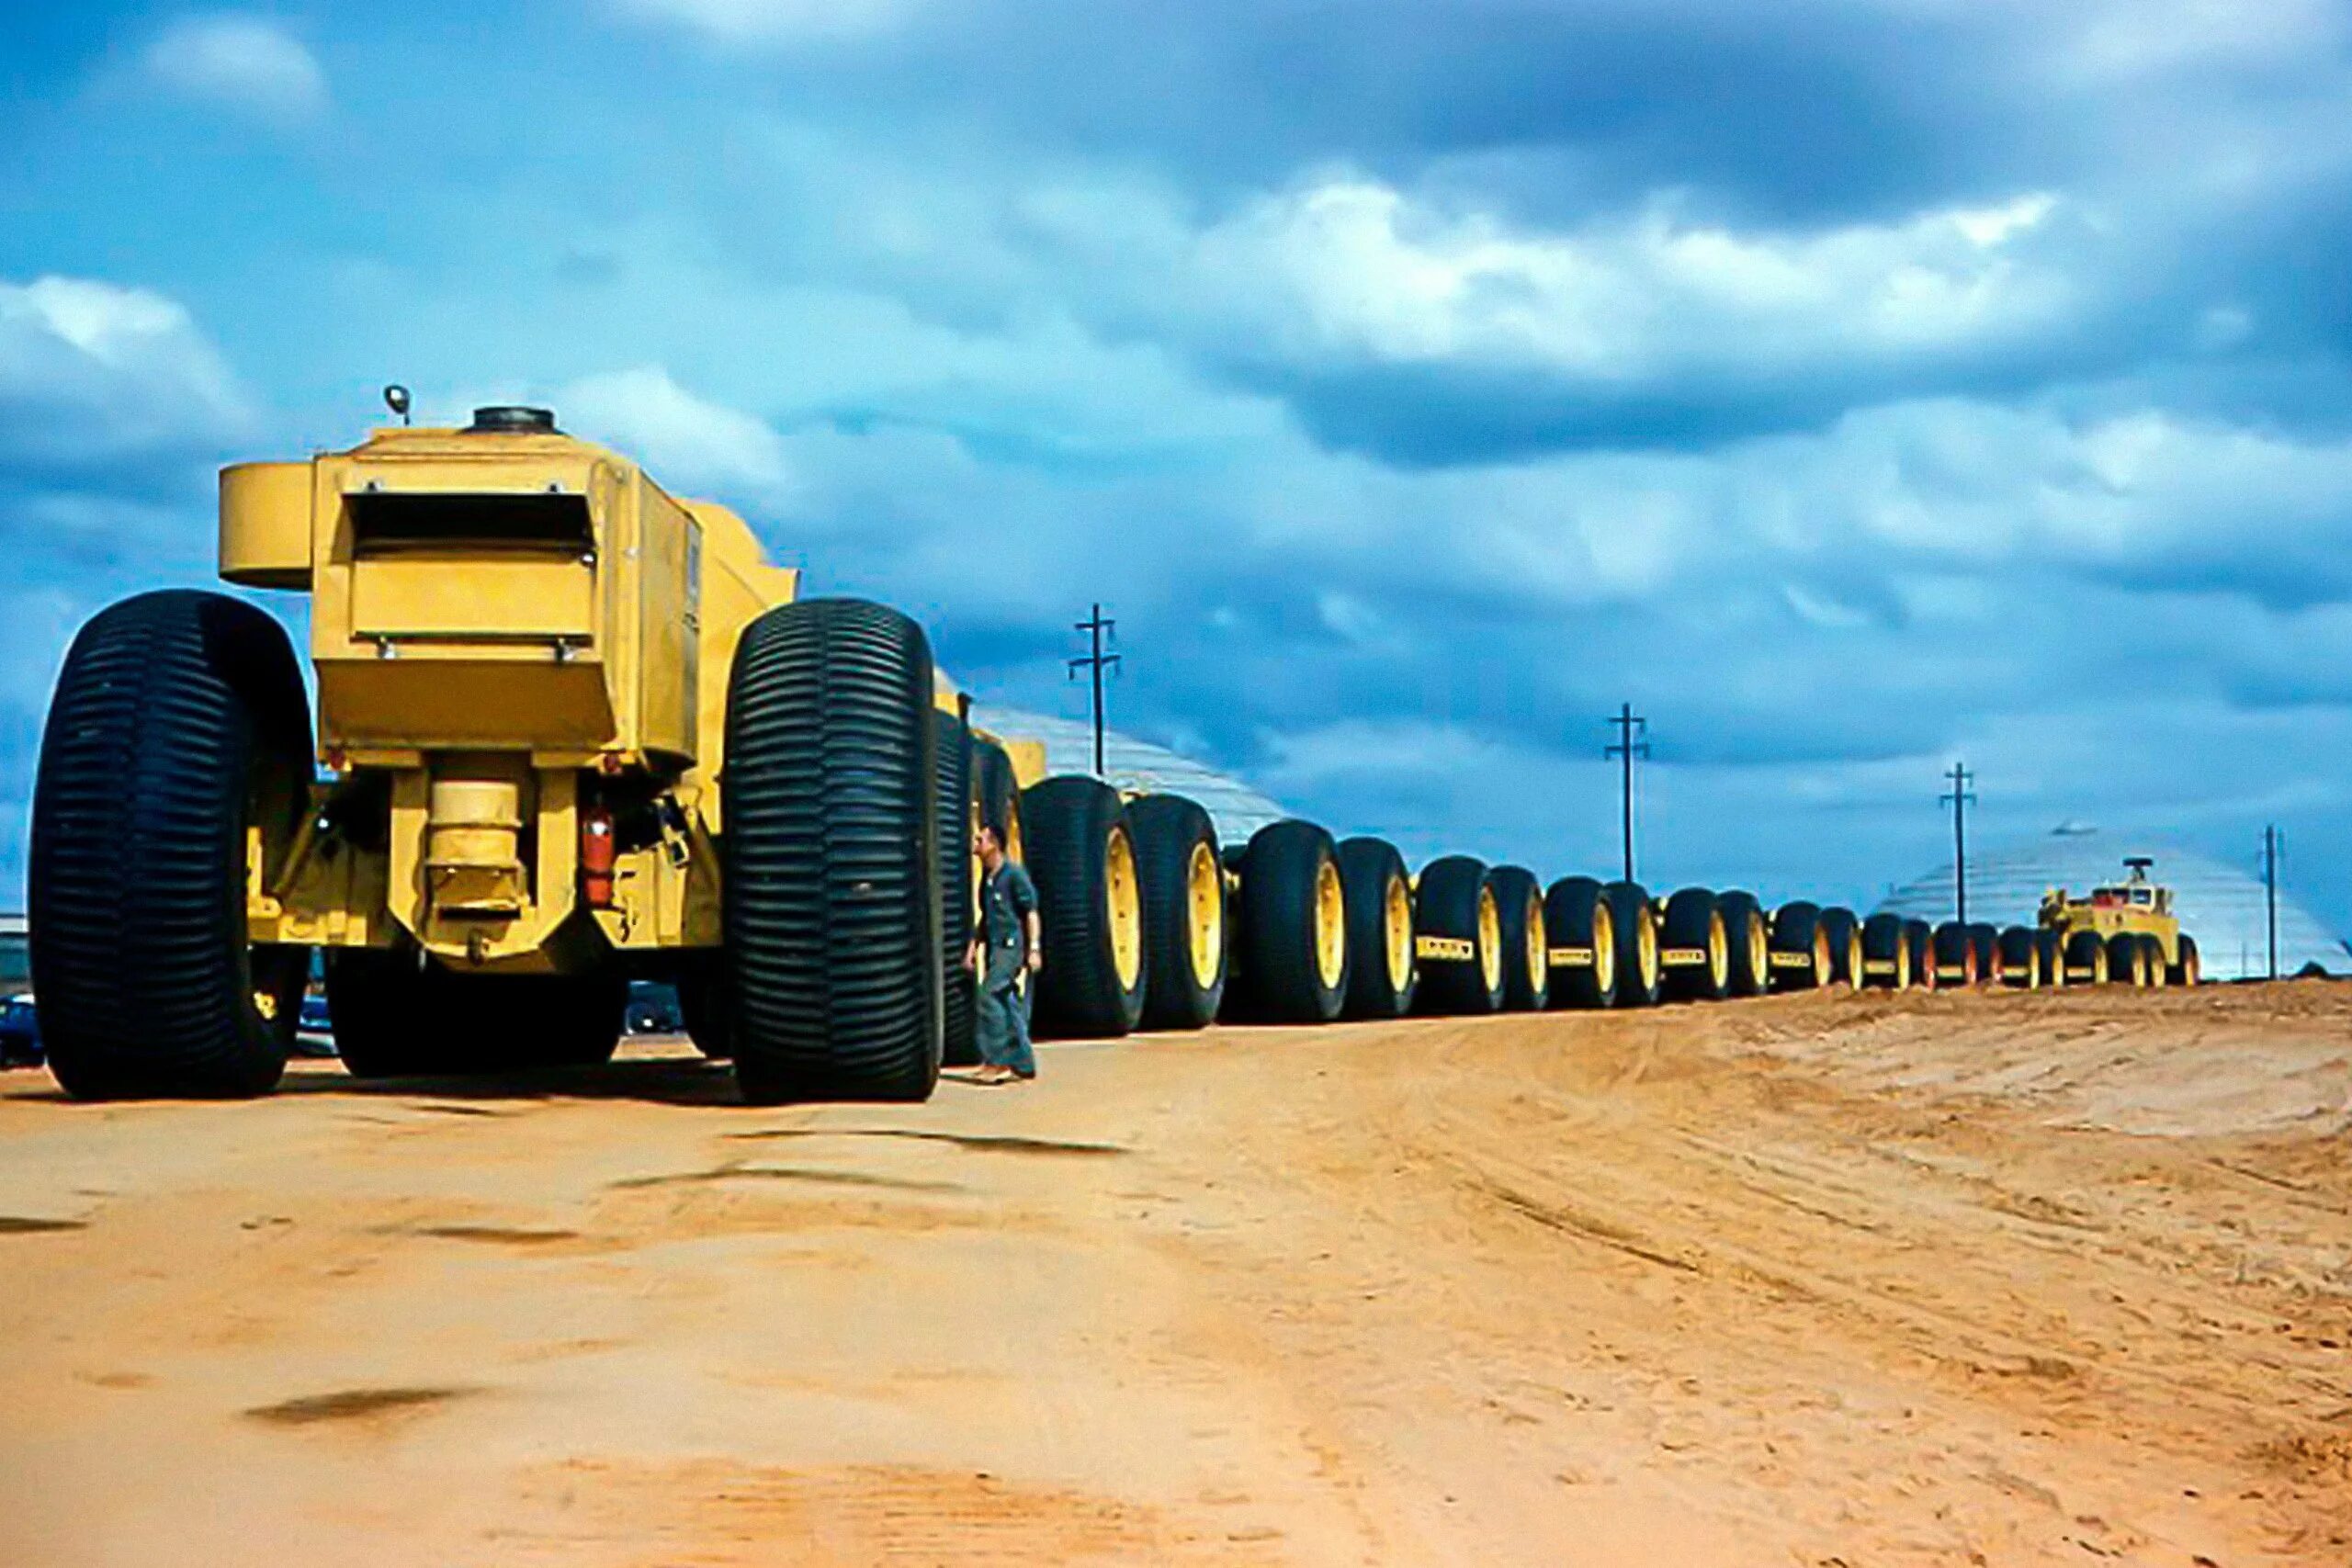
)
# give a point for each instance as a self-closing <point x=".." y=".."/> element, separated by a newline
<point x="2270" y="845"/>
<point x="1960" y="798"/>
<point x="1630" y="727"/>
<point x="1094" y="660"/>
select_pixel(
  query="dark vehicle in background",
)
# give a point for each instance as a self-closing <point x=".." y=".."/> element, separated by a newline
<point x="19" y="1033"/>
<point x="313" y="1029"/>
<point x="653" y="1008"/>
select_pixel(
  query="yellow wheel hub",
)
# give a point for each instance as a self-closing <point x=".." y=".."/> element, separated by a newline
<point x="1759" y="948"/>
<point x="1204" y="912"/>
<point x="1718" y="952"/>
<point x="1490" y="941"/>
<point x="1539" y="951"/>
<point x="1604" y="946"/>
<point x="1123" y="899"/>
<point x="1648" y="952"/>
<point x="1330" y="926"/>
<point x="1397" y="926"/>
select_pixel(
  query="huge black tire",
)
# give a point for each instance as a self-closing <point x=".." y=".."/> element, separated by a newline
<point x="831" y="904"/>
<point x="2127" y="960"/>
<point x="1694" y="950"/>
<point x="2085" y="959"/>
<point x="702" y="1004"/>
<point x="1457" y="938"/>
<point x="2021" y="959"/>
<point x="1183" y="911"/>
<point x="1844" y="933"/>
<point x="398" y="1014"/>
<point x="2051" y="953"/>
<point x="1955" y="956"/>
<point x="1985" y="939"/>
<point x="997" y="794"/>
<point x="1291" y="926"/>
<point x="1379" y="893"/>
<point x="1748" y="932"/>
<point x="179" y="721"/>
<point x="2189" y="968"/>
<point x="1639" y="975"/>
<point x="1919" y="942"/>
<point x="1527" y="959"/>
<point x="2152" y="957"/>
<point x="1089" y="899"/>
<point x="1886" y="954"/>
<point x="1800" y="956"/>
<point x="1582" y="930"/>
<point x="959" y="988"/>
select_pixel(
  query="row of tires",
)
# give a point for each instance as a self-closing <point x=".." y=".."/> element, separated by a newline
<point x="180" y="736"/>
<point x="1150" y="923"/>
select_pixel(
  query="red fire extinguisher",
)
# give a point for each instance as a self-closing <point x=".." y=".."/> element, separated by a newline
<point x="597" y="854"/>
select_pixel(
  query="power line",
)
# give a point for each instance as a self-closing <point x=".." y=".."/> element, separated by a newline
<point x="1629" y="725"/>
<point x="1094" y="660"/>
<point x="1960" y="798"/>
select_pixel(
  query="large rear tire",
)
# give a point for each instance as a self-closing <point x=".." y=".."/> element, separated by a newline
<point x="2051" y="953"/>
<point x="2021" y="959"/>
<point x="1919" y="942"/>
<point x="1639" y="974"/>
<point x="2190" y="968"/>
<point x="1955" y="956"/>
<point x="959" y="988"/>
<point x="1457" y="938"/>
<point x="1379" y="892"/>
<point x="1985" y="940"/>
<point x="2085" y="959"/>
<point x="1527" y="959"/>
<point x="1800" y="956"/>
<point x="1694" y="947"/>
<point x="1750" y="932"/>
<point x="1844" y="933"/>
<point x="1183" y="911"/>
<point x="998" y="794"/>
<point x="831" y="891"/>
<point x="1582" y="929"/>
<point x="1293" y="925"/>
<point x="1886" y="953"/>
<point x="2127" y="961"/>
<point x="179" y="724"/>
<point x="1090" y="900"/>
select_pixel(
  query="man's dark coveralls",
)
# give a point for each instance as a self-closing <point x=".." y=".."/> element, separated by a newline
<point x="1007" y="899"/>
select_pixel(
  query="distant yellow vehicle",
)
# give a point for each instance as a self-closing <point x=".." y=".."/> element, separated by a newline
<point x="2123" y="933"/>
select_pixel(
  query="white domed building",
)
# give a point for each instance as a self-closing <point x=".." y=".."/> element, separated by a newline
<point x="1139" y="766"/>
<point x="2219" y="905"/>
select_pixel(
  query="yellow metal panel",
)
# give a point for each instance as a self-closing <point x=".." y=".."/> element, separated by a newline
<point x="265" y="525"/>
<point x="457" y="596"/>
<point x="668" y="569"/>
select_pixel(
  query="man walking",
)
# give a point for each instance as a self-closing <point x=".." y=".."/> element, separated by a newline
<point x="1006" y="948"/>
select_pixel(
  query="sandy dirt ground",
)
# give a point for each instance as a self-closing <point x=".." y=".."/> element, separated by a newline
<point x="1816" y="1280"/>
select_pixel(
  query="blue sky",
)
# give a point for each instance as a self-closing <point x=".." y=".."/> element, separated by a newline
<point x="1852" y="385"/>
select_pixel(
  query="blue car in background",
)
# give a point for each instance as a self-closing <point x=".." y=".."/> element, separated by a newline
<point x="19" y="1033"/>
<point x="313" y="1029"/>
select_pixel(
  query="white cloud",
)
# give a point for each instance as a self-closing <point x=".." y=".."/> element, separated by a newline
<point x="241" y="63"/>
<point x="776" y="21"/>
<point x="690" y="444"/>
<point x="90" y="369"/>
<point x="1360" y="267"/>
